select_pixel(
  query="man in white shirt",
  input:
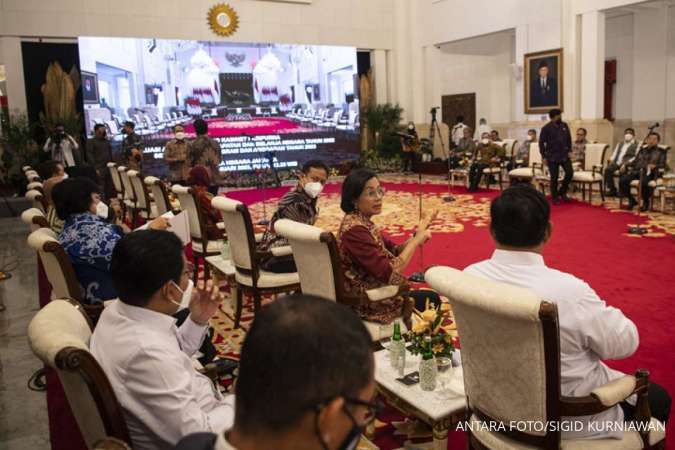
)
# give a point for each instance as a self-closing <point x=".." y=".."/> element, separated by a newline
<point x="482" y="128"/>
<point x="590" y="330"/>
<point x="623" y="153"/>
<point x="305" y="381"/>
<point x="457" y="132"/>
<point x="145" y="356"/>
<point x="62" y="147"/>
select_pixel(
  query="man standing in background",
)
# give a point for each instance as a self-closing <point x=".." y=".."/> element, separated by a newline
<point x="98" y="153"/>
<point x="62" y="147"/>
<point x="132" y="146"/>
<point x="457" y="132"/>
<point x="205" y="151"/>
<point x="175" y="155"/>
<point x="555" y="144"/>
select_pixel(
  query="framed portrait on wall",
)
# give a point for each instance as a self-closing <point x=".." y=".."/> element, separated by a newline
<point x="89" y="87"/>
<point x="543" y="81"/>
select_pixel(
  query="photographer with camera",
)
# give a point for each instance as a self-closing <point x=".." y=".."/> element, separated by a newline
<point x="62" y="147"/>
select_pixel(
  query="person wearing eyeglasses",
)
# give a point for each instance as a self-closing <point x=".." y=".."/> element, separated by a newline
<point x="306" y="380"/>
<point x="369" y="260"/>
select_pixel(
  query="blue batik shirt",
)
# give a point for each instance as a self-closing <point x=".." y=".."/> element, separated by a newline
<point x="89" y="242"/>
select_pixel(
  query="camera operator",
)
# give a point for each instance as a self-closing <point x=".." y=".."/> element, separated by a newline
<point x="62" y="147"/>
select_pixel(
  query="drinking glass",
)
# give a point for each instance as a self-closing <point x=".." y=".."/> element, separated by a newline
<point x="444" y="366"/>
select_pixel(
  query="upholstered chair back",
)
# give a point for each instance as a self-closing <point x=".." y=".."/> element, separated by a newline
<point x="159" y="193"/>
<point x="34" y="218"/>
<point x="37" y="199"/>
<point x="59" y="335"/>
<point x="26" y="168"/>
<point x="239" y="229"/>
<point x="57" y="265"/>
<point x="595" y="155"/>
<point x="315" y="255"/>
<point x="35" y="185"/>
<point x="535" y="154"/>
<point x="126" y="183"/>
<point x="505" y="346"/>
<point x="509" y="145"/>
<point x="115" y="175"/>
<point x="141" y="195"/>
<point x="188" y="203"/>
<point x="32" y="176"/>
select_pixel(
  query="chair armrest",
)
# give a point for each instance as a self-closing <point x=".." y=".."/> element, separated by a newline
<point x="383" y="293"/>
<point x="258" y="236"/>
<point x="615" y="391"/>
<point x="281" y="251"/>
<point x="597" y="168"/>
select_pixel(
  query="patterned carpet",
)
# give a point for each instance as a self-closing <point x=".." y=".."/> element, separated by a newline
<point x="589" y="241"/>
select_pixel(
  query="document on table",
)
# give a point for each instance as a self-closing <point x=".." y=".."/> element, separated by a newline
<point x="178" y="224"/>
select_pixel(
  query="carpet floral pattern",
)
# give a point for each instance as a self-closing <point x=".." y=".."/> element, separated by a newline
<point x="590" y="242"/>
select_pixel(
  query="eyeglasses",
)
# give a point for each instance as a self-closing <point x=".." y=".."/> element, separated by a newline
<point x="376" y="193"/>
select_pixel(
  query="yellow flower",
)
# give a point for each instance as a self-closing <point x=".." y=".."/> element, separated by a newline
<point x="438" y="348"/>
<point x="419" y="327"/>
<point x="429" y="315"/>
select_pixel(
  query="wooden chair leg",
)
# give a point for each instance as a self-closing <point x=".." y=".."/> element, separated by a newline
<point x="590" y="194"/>
<point x="256" y="301"/>
<point x="501" y="182"/>
<point x="238" y="307"/>
<point x="602" y="192"/>
<point x="207" y="269"/>
<point x="195" y="266"/>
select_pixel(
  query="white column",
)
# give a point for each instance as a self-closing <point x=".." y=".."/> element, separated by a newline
<point x="649" y="64"/>
<point x="402" y="57"/>
<point x="521" y="47"/>
<point x="570" y="36"/>
<point x="432" y="75"/>
<point x="378" y="62"/>
<point x="13" y="61"/>
<point x="592" y="65"/>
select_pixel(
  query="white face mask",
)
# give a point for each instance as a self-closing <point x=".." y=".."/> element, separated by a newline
<point x="528" y="138"/>
<point x="102" y="210"/>
<point x="628" y="137"/>
<point x="411" y="127"/>
<point x="186" y="295"/>
<point x="485" y="141"/>
<point x="65" y="175"/>
<point x="313" y="189"/>
<point x="180" y="135"/>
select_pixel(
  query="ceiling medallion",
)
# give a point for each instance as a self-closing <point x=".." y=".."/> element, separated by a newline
<point x="223" y="19"/>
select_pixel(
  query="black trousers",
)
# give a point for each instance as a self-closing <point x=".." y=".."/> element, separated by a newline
<point x="408" y="161"/>
<point x="646" y="191"/>
<point x="420" y="297"/>
<point x="454" y="161"/>
<point x="659" y="404"/>
<point x="475" y="174"/>
<point x="554" y="170"/>
<point x="609" y="176"/>
<point x="280" y="264"/>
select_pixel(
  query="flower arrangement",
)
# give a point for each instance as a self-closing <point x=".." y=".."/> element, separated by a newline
<point x="429" y="323"/>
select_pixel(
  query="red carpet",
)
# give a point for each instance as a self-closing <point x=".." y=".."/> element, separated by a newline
<point x="633" y="274"/>
<point x="259" y="126"/>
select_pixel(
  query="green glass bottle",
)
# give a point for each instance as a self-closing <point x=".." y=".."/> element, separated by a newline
<point x="397" y="350"/>
<point x="428" y="369"/>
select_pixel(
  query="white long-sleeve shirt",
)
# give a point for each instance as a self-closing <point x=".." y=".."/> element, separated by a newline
<point x="590" y="330"/>
<point x="62" y="153"/>
<point x="147" y="360"/>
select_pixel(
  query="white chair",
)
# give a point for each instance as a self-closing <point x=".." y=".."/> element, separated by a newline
<point x="32" y="176"/>
<point x="35" y="185"/>
<point x="117" y="181"/>
<point x="533" y="170"/>
<point x="144" y="206"/>
<point x="316" y="256"/>
<point x="34" y="218"/>
<point x="201" y="245"/>
<point x="129" y="199"/>
<point x="250" y="278"/>
<point x="58" y="268"/>
<point x="59" y="335"/>
<point x="26" y="168"/>
<point x="38" y="200"/>
<point x="511" y="364"/>
<point x="593" y="159"/>
<point x="159" y="194"/>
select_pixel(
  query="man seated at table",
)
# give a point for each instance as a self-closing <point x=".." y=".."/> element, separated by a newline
<point x="278" y="406"/>
<point x="590" y="330"/>
<point x="145" y="356"/>
<point x="464" y="149"/>
<point x="644" y="167"/>
<point x="522" y="156"/>
<point x="299" y="205"/>
<point x="624" y="152"/>
<point x="488" y="154"/>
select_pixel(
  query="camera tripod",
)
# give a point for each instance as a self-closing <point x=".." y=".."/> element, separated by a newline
<point x="432" y="133"/>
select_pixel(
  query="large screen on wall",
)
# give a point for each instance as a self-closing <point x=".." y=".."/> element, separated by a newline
<point x="295" y="102"/>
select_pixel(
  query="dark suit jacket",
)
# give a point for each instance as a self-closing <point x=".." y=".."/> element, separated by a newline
<point x="630" y="153"/>
<point x="197" y="441"/>
<point x="544" y="97"/>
